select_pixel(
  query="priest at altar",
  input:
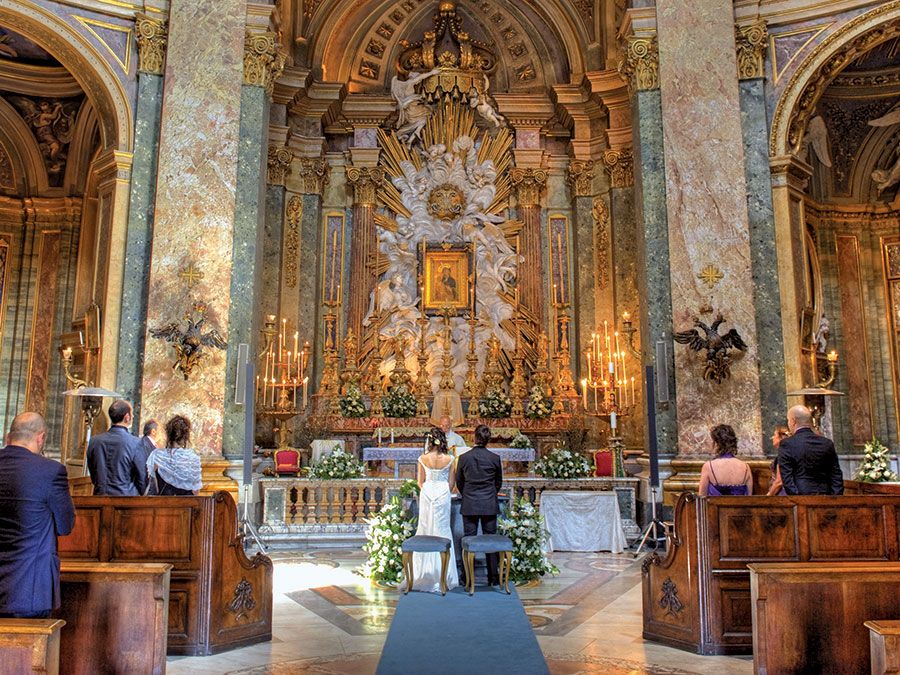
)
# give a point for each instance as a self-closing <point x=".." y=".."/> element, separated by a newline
<point x="456" y="443"/>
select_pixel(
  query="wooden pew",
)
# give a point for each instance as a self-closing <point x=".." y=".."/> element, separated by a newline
<point x="884" y="646"/>
<point x="810" y="617"/>
<point x="116" y="617"/>
<point x="30" y="645"/>
<point x="697" y="596"/>
<point x="218" y="598"/>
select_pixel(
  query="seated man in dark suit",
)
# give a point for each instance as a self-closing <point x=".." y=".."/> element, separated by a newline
<point x="148" y="440"/>
<point x="35" y="508"/>
<point x="808" y="462"/>
<point x="115" y="459"/>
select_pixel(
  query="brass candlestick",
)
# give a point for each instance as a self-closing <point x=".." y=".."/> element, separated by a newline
<point x="518" y="388"/>
<point x="471" y="386"/>
<point x="284" y="376"/>
<point x="423" y="384"/>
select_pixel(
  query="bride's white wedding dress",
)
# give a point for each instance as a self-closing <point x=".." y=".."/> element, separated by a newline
<point x="434" y="520"/>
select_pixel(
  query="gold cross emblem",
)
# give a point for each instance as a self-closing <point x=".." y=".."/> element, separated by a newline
<point x="711" y="275"/>
<point x="191" y="275"/>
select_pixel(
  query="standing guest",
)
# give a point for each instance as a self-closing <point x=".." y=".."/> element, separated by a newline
<point x="35" y="509"/>
<point x="115" y="458"/>
<point x="455" y="442"/>
<point x="175" y="470"/>
<point x="776" y="486"/>
<point x="807" y="461"/>
<point x="149" y="441"/>
<point x="725" y="474"/>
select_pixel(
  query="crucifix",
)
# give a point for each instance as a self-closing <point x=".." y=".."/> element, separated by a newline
<point x="191" y="275"/>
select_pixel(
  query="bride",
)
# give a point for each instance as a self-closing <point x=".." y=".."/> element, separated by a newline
<point x="436" y="481"/>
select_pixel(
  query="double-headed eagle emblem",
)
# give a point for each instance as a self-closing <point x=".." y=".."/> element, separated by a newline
<point x="189" y="344"/>
<point x="718" y="360"/>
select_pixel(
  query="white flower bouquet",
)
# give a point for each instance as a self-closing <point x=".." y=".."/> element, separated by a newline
<point x="539" y="406"/>
<point x="351" y="404"/>
<point x="337" y="465"/>
<point x="399" y="402"/>
<point x="388" y="529"/>
<point x="521" y="441"/>
<point x="562" y="463"/>
<point x="876" y="464"/>
<point x="525" y="526"/>
<point x="495" y="404"/>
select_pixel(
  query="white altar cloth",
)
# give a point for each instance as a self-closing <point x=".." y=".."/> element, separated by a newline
<point x="582" y="521"/>
<point x="321" y="448"/>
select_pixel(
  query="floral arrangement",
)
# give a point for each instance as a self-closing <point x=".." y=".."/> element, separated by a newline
<point x="351" y="404"/>
<point x="525" y="526"/>
<point x="409" y="488"/>
<point x="388" y="529"/>
<point x="495" y="404"/>
<point x="562" y="463"/>
<point x="399" y="402"/>
<point x="337" y="465"/>
<point x="539" y="406"/>
<point x="876" y="464"/>
<point x="520" y="441"/>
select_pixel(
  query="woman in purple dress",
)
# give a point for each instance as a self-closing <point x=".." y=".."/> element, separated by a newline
<point x="725" y="474"/>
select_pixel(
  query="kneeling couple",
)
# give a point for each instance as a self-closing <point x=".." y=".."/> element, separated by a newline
<point x="477" y="477"/>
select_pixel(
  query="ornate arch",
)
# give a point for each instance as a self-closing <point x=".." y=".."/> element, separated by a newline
<point x="23" y="151"/>
<point x="816" y="72"/>
<point x="73" y="51"/>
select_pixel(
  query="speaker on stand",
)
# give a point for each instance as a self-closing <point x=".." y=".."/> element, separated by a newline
<point x="656" y="528"/>
<point x="245" y="394"/>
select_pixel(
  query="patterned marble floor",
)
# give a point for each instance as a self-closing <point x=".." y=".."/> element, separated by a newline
<point x="327" y="619"/>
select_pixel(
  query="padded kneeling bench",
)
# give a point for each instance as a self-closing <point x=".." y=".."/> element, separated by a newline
<point x="423" y="543"/>
<point x="487" y="543"/>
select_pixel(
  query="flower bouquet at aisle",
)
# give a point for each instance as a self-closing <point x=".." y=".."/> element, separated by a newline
<point x="388" y="529"/>
<point x="337" y="465"/>
<point x="539" y="406"/>
<point x="525" y="526"/>
<point x="876" y="464"/>
<point x="351" y="404"/>
<point x="562" y="463"/>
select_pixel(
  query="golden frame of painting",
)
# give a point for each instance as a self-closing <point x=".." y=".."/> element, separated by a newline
<point x="449" y="279"/>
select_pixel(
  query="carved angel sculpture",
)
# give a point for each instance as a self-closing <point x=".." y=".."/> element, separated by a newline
<point x="718" y="360"/>
<point x="485" y="108"/>
<point x="413" y="111"/>
<point x="885" y="178"/>
<point x="53" y="128"/>
<point x="189" y="344"/>
<point x="816" y="137"/>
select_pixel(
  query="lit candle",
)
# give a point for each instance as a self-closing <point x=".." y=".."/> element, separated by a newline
<point x="626" y="317"/>
<point x="296" y="335"/>
<point x="632" y="390"/>
<point x="612" y="420"/>
<point x="832" y="356"/>
<point x="590" y="371"/>
<point x="392" y="435"/>
<point x="305" y="391"/>
<point x="584" y="391"/>
<point x="624" y="374"/>
<point x="379" y="435"/>
<point x="606" y="333"/>
<point x="81" y="338"/>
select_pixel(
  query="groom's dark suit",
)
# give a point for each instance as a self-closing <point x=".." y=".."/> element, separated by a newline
<point x="479" y="476"/>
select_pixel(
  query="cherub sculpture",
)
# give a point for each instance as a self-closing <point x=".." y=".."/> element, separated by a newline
<point x="483" y="106"/>
<point x="413" y="112"/>
<point x="718" y="360"/>
<point x="189" y="344"/>
<point x="53" y="128"/>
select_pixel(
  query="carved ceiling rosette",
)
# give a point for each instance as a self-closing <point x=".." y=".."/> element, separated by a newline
<point x="751" y="48"/>
<point x="151" y="42"/>
<point x="620" y="166"/>
<point x="529" y="184"/>
<point x="640" y="63"/>
<point x="580" y="177"/>
<point x="263" y="62"/>
<point x="278" y="164"/>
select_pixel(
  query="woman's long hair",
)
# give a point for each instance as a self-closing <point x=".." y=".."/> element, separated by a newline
<point x="725" y="439"/>
<point x="436" y="440"/>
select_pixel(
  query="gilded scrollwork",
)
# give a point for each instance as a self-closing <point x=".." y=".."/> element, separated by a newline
<point x="751" y="48"/>
<point x="620" y="166"/>
<point x="529" y="184"/>
<point x="263" y="62"/>
<point x="365" y="181"/>
<point x="640" y="63"/>
<point x="580" y="177"/>
<point x="278" y="164"/>
<point x="600" y="213"/>
<point x="313" y="172"/>
<point x="292" y="240"/>
<point x="151" y="41"/>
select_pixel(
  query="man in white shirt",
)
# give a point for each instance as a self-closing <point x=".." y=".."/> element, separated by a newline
<point x="455" y="442"/>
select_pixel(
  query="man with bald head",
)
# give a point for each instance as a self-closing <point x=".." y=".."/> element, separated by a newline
<point x="35" y="508"/>
<point x="808" y="462"/>
<point x="455" y="442"/>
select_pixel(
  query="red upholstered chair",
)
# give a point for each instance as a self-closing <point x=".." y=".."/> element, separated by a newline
<point x="603" y="463"/>
<point x="287" y="462"/>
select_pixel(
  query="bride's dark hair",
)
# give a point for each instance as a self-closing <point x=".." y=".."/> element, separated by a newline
<point x="437" y="440"/>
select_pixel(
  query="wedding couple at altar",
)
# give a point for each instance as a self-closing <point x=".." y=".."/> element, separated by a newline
<point x="477" y="476"/>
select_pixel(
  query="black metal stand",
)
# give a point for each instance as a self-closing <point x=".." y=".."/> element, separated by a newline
<point x="655" y="526"/>
<point x="245" y="525"/>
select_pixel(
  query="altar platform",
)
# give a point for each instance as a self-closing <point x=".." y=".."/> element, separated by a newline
<point x="410" y="455"/>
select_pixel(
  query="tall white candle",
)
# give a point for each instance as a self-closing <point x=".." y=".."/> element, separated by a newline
<point x="612" y="420"/>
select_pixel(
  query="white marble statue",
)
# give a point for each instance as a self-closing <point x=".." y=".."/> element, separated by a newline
<point x="816" y="138"/>
<point x="885" y="178"/>
<point x="413" y="111"/>
<point x="483" y="106"/>
<point x="822" y="333"/>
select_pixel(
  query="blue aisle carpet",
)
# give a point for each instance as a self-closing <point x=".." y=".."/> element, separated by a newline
<point x="486" y="633"/>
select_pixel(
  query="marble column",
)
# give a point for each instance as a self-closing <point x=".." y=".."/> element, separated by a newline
<point x="151" y="57"/>
<point x="529" y="185"/>
<point x="751" y="45"/>
<point x="365" y="182"/>
<point x="709" y="231"/>
<point x="273" y="231"/>
<point x="581" y="178"/>
<point x="194" y="225"/>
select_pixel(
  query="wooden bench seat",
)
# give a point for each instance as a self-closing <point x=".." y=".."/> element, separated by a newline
<point x="697" y="596"/>
<point x="30" y="645"/>
<point x="884" y="646"/>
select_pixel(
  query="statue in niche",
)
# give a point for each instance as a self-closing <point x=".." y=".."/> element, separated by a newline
<point x="885" y="178"/>
<point x="484" y="107"/>
<point x="822" y="333"/>
<point x="816" y="137"/>
<point x="53" y="128"/>
<point x="412" y="109"/>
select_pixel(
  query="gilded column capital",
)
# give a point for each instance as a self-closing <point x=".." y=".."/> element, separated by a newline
<point x="640" y="63"/>
<point x="263" y="62"/>
<point x="528" y="183"/>
<point x="278" y="164"/>
<point x="152" y="37"/>
<point x="751" y="43"/>
<point x="620" y="167"/>
<point x="313" y="174"/>
<point x="580" y="177"/>
<point x="365" y="181"/>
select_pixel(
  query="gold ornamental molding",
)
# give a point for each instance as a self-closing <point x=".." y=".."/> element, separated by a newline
<point x="152" y="37"/>
<point x="806" y="86"/>
<point x="751" y="41"/>
<point x="292" y="240"/>
<point x="365" y="181"/>
<point x="263" y="62"/>
<point x="313" y="172"/>
<point x="580" y="177"/>
<point x="278" y="164"/>
<point x="640" y="63"/>
<point x="600" y="213"/>
<point x="620" y="167"/>
<point x="529" y="184"/>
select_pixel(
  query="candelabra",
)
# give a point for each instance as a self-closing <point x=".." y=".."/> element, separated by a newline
<point x="518" y="388"/>
<point x="423" y="383"/>
<point x="832" y="370"/>
<point x="471" y="386"/>
<point x="284" y="377"/>
<point x="607" y="385"/>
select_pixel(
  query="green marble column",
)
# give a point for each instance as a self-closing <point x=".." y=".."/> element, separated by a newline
<point x="139" y="238"/>
<point x="245" y="273"/>
<point x="580" y="179"/>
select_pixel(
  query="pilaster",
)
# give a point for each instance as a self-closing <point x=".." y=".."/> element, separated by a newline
<point x="529" y="185"/>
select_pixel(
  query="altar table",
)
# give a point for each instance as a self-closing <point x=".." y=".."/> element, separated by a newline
<point x="411" y="455"/>
<point x="582" y="521"/>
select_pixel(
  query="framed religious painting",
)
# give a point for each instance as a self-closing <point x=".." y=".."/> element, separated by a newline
<point x="448" y="278"/>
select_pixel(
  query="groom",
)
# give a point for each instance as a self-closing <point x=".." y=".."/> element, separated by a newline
<point x="479" y="476"/>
